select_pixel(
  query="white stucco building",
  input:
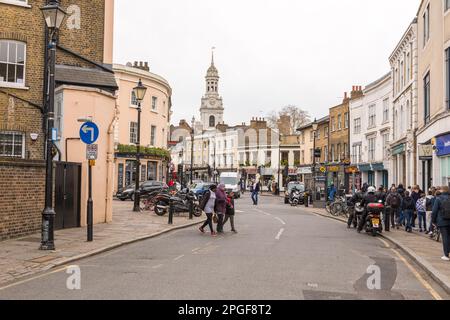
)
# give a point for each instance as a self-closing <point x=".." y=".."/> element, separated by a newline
<point x="404" y="116"/>
<point x="370" y="132"/>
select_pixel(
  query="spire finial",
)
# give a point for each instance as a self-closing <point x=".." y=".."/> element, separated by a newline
<point x="212" y="55"/>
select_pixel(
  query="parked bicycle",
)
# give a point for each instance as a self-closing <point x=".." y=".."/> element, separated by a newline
<point x="340" y="207"/>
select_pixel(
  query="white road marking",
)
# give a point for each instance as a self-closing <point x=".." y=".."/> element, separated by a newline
<point x="178" y="258"/>
<point x="282" y="222"/>
<point x="279" y="234"/>
<point x="158" y="266"/>
<point x="239" y="211"/>
<point x="196" y="249"/>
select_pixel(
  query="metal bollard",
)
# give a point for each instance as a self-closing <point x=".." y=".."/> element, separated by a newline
<point x="306" y="199"/>
<point x="191" y="209"/>
<point x="171" y="209"/>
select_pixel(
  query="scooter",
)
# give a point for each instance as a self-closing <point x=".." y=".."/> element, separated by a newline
<point x="373" y="221"/>
<point x="359" y="210"/>
<point x="181" y="202"/>
<point x="294" y="199"/>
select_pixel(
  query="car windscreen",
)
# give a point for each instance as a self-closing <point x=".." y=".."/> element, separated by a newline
<point x="228" y="180"/>
<point x="299" y="187"/>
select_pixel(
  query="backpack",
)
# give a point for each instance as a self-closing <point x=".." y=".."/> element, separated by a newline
<point x="445" y="209"/>
<point x="429" y="204"/>
<point x="395" y="201"/>
<point x="409" y="204"/>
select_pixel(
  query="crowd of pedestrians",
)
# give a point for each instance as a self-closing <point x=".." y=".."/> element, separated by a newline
<point x="415" y="209"/>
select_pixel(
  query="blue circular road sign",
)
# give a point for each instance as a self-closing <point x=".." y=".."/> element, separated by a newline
<point x="89" y="133"/>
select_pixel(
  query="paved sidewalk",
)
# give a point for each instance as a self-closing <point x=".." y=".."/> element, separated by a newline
<point x="419" y="247"/>
<point x="21" y="258"/>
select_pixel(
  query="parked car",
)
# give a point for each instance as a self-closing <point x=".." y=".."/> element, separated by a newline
<point x="200" y="189"/>
<point x="299" y="186"/>
<point x="145" y="188"/>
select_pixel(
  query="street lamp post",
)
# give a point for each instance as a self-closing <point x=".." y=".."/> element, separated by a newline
<point x="192" y="149"/>
<point x="139" y="92"/>
<point x="315" y="126"/>
<point x="53" y="16"/>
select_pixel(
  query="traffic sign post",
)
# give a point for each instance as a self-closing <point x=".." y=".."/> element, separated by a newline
<point x="89" y="134"/>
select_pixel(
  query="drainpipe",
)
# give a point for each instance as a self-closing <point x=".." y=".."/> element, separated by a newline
<point x="110" y="161"/>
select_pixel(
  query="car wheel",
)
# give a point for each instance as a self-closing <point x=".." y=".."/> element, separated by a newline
<point x="122" y="199"/>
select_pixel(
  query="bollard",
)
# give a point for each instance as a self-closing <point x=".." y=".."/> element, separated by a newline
<point x="191" y="209"/>
<point x="306" y="199"/>
<point x="171" y="209"/>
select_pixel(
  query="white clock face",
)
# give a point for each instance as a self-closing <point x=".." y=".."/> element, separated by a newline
<point x="212" y="102"/>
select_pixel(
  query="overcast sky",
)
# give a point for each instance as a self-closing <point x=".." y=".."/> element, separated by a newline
<point x="270" y="53"/>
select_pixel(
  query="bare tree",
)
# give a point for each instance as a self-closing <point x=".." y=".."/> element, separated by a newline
<point x="298" y="118"/>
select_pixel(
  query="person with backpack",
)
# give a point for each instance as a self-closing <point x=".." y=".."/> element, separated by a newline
<point x="208" y="204"/>
<point x="229" y="214"/>
<point x="408" y="207"/>
<point x="441" y="219"/>
<point x="393" y="203"/>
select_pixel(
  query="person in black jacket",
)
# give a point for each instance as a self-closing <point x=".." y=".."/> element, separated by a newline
<point x="357" y="197"/>
<point x="370" y="197"/>
<point x="229" y="215"/>
<point x="408" y="207"/>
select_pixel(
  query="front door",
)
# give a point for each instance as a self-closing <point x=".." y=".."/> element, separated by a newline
<point x="67" y="195"/>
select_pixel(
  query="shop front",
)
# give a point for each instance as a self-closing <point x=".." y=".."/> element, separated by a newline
<point x="442" y="144"/>
<point x="425" y="152"/>
<point x="152" y="169"/>
<point x="354" y="178"/>
<point x="305" y="175"/>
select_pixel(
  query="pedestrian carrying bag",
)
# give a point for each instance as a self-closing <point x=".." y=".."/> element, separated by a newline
<point x="445" y="209"/>
<point x="215" y="218"/>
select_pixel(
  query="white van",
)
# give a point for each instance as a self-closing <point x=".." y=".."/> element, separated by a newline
<point x="231" y="181"/>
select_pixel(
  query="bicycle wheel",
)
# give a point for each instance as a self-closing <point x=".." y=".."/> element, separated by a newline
<point x="336" y="209"/>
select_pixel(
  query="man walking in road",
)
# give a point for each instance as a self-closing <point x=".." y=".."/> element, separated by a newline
<point x="255" y="192"/>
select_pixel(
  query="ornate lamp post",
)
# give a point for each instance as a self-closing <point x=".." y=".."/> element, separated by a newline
<point x="192" y="149"/>
<point x="53" y="16"/>
<point x="315" y="126"/>
<point x="139" y="92"/>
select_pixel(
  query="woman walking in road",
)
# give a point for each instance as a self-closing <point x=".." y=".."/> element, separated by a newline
<point x="230" y="211"/>
<point x="221" y="206"/>
<point x="207" y="205"/>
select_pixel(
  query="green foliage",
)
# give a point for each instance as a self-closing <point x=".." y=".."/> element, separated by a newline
<point x="155" y="152"/>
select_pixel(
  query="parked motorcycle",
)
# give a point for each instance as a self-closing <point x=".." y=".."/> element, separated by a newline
<point x="295" y="197"/>
<point x="373" y="221"/>
<point x="358" y="210"/>
<point x="181" y="203"/>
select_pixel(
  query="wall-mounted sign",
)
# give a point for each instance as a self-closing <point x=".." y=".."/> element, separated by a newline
<point x="334" y="169"/>
<point x="425" y="152"/>
<point x="399" y="149"/>
<point x="443" y="145"/>
<point x="304" y="170"/>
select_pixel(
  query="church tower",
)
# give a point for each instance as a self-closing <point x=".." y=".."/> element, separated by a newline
<point x="211" y="111"/>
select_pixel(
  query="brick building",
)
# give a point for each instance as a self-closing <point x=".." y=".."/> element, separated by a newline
<point x="85" y="43"/>
<point x="339" y="141"/>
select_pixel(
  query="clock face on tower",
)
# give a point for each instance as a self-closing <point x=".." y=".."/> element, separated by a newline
<point x="212" y="102"/>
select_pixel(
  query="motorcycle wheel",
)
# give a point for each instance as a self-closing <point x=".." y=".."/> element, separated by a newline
<point x="374" y="232"/>
<point x="158" y="211"/>
<point x="197" y="212"/>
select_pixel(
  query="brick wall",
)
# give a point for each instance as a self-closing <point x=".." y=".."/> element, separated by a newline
<point x="21" y="197"/>
<point x="23" y="181"/>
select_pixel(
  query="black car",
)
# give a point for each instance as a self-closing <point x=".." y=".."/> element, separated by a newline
<point x="146" y="188"/>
